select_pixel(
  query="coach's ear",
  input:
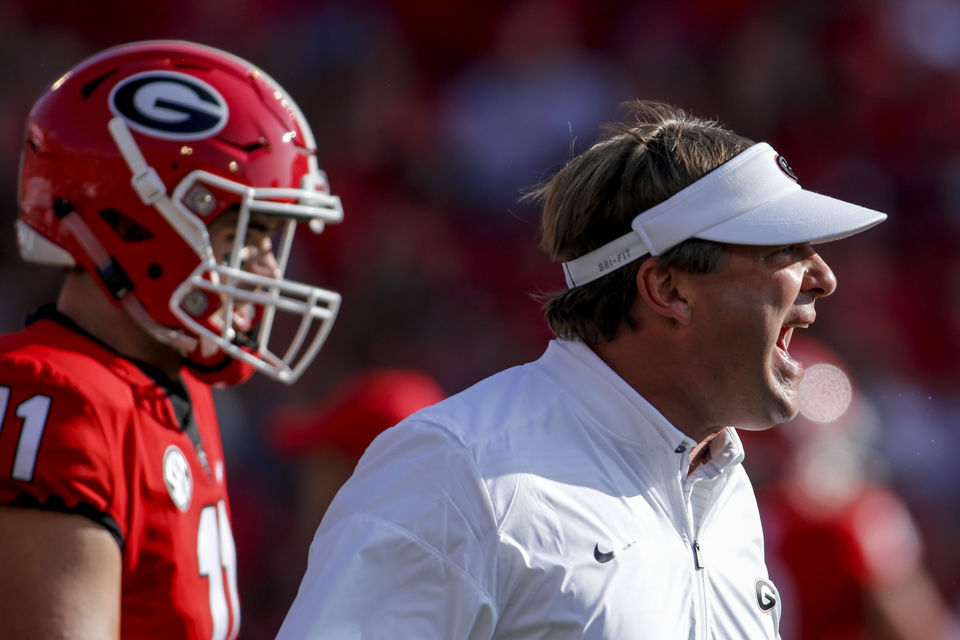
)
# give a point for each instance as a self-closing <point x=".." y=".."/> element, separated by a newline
<point x="660" y="289"/>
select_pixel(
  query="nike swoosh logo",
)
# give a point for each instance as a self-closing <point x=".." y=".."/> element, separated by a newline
<point x="602" y="556"/>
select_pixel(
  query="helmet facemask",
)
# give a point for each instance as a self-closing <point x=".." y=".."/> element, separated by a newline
<point x="219" y="289"/>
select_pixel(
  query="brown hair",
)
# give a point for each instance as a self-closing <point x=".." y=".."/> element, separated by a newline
<point x="638" y="163"/>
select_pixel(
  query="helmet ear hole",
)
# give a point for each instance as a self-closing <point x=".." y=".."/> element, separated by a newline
<point x="154" y="270"/>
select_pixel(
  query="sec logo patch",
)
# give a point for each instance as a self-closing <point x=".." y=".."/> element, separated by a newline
<point x="177" y="476"/>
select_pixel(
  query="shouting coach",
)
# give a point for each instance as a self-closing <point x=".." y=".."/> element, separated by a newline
<point x="598" y="491"/>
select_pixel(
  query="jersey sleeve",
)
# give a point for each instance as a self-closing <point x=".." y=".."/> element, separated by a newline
<point x="54" y="452"/>
<point x="886" y="544"/>
<point x="405" y="550"/>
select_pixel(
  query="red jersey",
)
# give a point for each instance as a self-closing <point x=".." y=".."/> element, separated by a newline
<point x="829" y="555"/>
<point x="85" y="430"/>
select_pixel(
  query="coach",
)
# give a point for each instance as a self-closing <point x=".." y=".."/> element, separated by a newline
<point x="598" y="492"/>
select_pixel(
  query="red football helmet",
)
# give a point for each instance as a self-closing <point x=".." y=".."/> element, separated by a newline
<point x="132" y="154"/>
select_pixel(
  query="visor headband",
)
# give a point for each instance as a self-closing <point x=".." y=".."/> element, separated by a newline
<point x="752" y="178"/>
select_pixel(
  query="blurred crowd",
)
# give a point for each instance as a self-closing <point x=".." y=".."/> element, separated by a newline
<point x="434" y="118"/>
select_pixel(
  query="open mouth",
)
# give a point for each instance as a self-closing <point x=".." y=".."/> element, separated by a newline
<point x="243" y="321"/>
<point x="783" y="341"/>
<point x="783" y="346"/>
<point x="243" y="318"/>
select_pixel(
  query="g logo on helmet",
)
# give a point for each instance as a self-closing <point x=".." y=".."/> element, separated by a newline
<point x="169" y="105"/>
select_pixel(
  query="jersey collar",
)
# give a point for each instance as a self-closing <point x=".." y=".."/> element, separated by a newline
<point x="50" y="312"/>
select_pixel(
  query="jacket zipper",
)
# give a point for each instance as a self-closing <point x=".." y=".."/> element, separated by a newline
<point x="698" y="574"/>
<point x="698" y="565"/>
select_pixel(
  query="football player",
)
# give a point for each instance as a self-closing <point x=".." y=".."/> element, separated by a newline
<point x="168" y="179"/>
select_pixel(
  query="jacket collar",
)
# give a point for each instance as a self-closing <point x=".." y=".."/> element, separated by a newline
<point x="617" y="407"/>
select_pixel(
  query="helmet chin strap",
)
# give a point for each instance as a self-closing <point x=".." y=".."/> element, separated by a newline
<point x="207" y="347"/>
<point x="148" y="185"/>
<point x="118" y="284"/>
<point x="152" y="191"/>
<point x="177" y="339"/>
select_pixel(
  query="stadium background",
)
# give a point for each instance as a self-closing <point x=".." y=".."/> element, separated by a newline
<point x="432" y="118"/>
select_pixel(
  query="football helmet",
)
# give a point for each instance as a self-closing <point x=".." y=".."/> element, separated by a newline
<point x="131" y="155"/>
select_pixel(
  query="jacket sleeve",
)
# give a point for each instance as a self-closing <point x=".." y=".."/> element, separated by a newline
<point x="406" y="550"/>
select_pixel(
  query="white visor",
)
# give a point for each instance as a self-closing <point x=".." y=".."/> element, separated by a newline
<point x="752" y="199"/>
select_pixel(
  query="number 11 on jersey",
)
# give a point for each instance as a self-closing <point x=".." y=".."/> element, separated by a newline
<point x="217" y="559"/>
<point x="33" y="412"/>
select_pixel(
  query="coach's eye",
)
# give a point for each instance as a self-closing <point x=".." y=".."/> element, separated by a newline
<point x="785" y="250"/>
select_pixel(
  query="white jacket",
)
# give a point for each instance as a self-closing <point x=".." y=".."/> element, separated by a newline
<point x="549" y="501"/>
